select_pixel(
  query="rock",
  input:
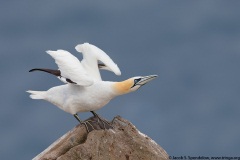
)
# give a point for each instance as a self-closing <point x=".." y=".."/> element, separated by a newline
<point x="123" y="142"/>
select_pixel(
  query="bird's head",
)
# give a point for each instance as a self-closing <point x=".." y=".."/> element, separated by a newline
<point x="132" y="84"/>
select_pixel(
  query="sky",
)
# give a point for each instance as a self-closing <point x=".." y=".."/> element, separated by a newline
<point x="191" y="109"/>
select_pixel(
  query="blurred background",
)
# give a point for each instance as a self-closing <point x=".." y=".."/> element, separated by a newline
<point x="191" y="109"/>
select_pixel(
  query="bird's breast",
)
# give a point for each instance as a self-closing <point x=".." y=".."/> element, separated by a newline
<point x="84" y="99"/>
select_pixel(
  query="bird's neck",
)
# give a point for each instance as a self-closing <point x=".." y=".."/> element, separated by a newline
<point x="122" y="87"/>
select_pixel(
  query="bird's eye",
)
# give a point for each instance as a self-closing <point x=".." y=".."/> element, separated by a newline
<point x="136" y="80"/>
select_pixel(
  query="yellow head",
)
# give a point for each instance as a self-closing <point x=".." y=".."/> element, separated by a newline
<point x="132" y="84"/>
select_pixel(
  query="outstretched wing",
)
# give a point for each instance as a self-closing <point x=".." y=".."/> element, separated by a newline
<point x="71" y="68"/>
<point x="91" y="56"/>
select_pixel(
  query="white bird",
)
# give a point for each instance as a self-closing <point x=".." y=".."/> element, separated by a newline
<point x="85" y="91"/>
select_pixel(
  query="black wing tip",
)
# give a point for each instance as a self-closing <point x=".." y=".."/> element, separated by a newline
<point x="101" y="65"/>
<point x="36" y="69"/>
<point x="70" y="81"/>
<point x="32" y="70"/>
<point x="51" y="71"/>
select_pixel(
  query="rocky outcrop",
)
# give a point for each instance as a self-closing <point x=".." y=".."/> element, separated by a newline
<point x="123" y="142"/>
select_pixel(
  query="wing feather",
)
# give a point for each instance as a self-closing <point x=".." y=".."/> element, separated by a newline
<point x="91" y="55"/>
<point x="71" y="68"/>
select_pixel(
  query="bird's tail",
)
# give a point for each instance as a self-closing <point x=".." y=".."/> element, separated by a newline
<point x="37" y="94"/>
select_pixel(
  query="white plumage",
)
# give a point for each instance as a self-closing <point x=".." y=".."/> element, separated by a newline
<point x="91" y="55"/>
<point x="71" y="67"/>
<point x="85" y="91"/>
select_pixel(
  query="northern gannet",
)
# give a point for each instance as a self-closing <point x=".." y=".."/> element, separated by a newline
<point x="84" y="90"/>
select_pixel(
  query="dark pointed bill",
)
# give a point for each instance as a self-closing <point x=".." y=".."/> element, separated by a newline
<point x="146" y="79"/>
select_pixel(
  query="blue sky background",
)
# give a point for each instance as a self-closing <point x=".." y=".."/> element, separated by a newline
<point x="192" y="108"/>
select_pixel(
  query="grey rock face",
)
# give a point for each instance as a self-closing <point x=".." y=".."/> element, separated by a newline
<point x="123" y="142"/>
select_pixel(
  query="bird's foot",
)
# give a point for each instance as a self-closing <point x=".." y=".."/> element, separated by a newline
<point x="89" y="125"/>
<point x="96" y="123"/>
<point x="103" y="123"/>
<point x="93" y="123"/>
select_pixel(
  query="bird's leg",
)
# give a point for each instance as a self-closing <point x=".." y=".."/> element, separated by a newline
<point x="81" y="122"/>
<point x="104" y="122"/>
